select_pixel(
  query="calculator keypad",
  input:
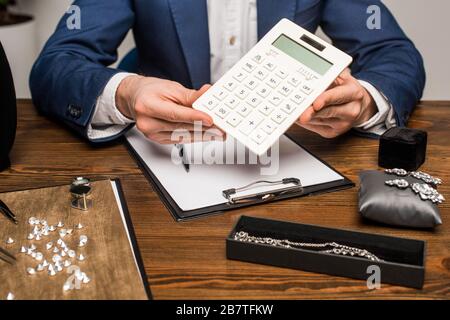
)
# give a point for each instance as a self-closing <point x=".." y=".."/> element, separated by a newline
<point x="258" y="97"/>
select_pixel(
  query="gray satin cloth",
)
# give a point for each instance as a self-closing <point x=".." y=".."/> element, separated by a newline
<point x="394" y="206"/>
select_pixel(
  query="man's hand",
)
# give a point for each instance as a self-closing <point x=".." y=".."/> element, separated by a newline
<point x="160" y="107"/>
<point x="343" y="106"/>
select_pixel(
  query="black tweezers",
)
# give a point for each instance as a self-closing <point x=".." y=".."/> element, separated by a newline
<point x="7" y="256"/>
<point x="7" y="212"/>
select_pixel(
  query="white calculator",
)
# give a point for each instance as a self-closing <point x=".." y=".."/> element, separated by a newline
<point x="258" y="99"/>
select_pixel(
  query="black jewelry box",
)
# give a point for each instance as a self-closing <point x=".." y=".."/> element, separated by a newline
<point x="403" y="259"/>
<point x="402" y="148"/>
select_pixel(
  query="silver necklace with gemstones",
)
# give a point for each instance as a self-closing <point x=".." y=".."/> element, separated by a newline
<point x="329" y="247"/>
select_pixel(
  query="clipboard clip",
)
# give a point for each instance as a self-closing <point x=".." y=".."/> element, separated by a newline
<point x="230" y="194"/>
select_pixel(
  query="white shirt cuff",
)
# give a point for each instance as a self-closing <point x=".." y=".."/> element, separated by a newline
<point x="107" y="120"/>
<point x="384" y="119"/>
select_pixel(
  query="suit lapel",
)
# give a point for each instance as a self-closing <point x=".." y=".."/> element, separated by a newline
<point x="191" y="22"/>
<point x="272" y="11"/>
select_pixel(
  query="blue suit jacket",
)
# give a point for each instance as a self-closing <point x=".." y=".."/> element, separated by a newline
<point x="172" y="42"/>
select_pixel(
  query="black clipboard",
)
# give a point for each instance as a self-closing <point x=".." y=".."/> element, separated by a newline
<point x="180" y="215"/>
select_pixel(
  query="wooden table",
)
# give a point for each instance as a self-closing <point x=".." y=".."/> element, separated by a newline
<point x="187" y="260"/>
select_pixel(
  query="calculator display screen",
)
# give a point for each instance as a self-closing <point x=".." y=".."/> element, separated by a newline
<point x="302" y="54"/>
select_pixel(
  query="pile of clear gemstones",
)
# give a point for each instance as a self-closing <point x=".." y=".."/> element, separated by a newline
<point x="55" y="256"/>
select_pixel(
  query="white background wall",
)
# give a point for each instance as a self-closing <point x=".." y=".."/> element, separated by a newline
<point x="425" y="21"/>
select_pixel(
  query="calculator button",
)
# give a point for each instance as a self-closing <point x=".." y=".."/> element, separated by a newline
<point x="263" y="91"/>
<point x="220" y="94"/>
<point x="234" y="119"/>
<point x="249" y="67"/>
<point x="211" y="104"/>
<point x="268" y="126"/>
<point x="294" y="80"/>
<point x="258" y="136"/>
<point x="288" y="107"/>
<point x="250" y="123"/>
<point x="273" y="82"/>
<point x="269" y="65"/>
<point x="242" y="93"/>
<point x="252" y="83"/>
<point x="258" y="58"/>
<point x="261" y="74"/>
<point x="230" y="85"/>
<point x="266" y="109"/>
<point x="278" y="117"/>
<point x="297" y="98"/>
<point x="240" y="76"/>
<point x="222" y="112"/>
<point x="275" y="99"/>
<point x="231" y="102"/>
<point x="306" y="88"/>
<point x="285" y="90"/>
<point x="254" y="100"/>
<point x="281" y="73"/>
<point x="244" y="110"/>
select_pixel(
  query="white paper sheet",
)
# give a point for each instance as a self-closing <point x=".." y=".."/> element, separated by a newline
<point x="202" y="186"/>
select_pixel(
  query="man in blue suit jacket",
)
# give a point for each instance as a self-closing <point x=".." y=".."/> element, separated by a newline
<point x="184" y="44"/>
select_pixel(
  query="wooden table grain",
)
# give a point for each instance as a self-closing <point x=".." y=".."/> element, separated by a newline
<point x="187" y="260"/>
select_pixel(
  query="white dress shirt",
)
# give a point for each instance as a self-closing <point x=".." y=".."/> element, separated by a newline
<point x="231" y="35"/>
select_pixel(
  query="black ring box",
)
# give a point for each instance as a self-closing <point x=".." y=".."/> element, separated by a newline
<point x="404" y="259"/>
<point x="404" y="148"/>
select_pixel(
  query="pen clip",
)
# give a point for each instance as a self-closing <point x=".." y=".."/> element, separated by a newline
<point x="230" y="194"/>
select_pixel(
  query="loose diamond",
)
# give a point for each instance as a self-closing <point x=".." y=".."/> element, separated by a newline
<point x="39" y="256"/>
<point x="10" y="296"/>
<point x="23" y="249"/>
<point x="81" y="257"/>
<point x="86" y="278"/>
<point x="49" y="245"/>
<point x="83" y="241"/>
<point x="51" y="270"/>
<point x="9" y="240"/>
<point x="79" y="226"/>
<point x="60" y="224"/>
<point x="71" y="253"/>
<point x="58" y="267"/>
<point x="31" y="271"/>
<point x="36" y="230"/>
